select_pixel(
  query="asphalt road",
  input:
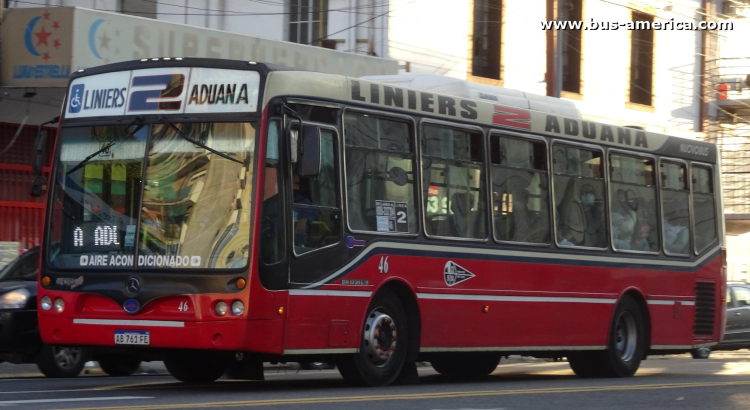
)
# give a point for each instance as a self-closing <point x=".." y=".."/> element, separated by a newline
<point x="674" y="382"/>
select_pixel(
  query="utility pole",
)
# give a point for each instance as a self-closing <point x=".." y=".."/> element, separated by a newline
<point x="371" y="34"/>
<point x="551" y="38"/>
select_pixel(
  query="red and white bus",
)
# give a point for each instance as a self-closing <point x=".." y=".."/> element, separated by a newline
<point x="211" y="212"/>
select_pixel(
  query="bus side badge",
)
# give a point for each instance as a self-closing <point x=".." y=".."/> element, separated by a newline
<point x="454" y="274"/>
<point x="351" y="242"/>
<point x="131" y="306"/>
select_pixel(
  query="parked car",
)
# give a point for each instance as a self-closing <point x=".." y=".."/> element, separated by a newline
<point x="19" y="330"/>
<point x="737" y="330"/>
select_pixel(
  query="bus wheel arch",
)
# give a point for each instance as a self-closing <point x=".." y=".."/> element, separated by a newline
<point x="414" y="319"/>
<point x="627" y="343"/>
<point x="641" y="301"/>
<point x="385" y="345"/>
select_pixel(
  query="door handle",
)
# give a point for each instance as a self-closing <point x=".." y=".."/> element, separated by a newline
<point x="738" y="313"/>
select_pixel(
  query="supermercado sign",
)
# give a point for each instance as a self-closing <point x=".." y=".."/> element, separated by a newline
<point x="174" y="90"/>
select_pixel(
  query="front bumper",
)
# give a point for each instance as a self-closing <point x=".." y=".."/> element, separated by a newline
<point x="250" y="336"/>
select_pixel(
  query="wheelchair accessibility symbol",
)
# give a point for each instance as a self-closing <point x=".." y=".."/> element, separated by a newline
<point x="76" y="99"/>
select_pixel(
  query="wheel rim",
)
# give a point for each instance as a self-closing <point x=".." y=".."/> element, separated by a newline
<point x="626" y="336"/>
<point x="66" y="357"/>
<point x="380" y="337"/>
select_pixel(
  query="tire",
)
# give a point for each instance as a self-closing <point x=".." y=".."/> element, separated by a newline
<point x="626" y="345"/>
<point x="375" y="364"/>
<point x="119" y="366"/>
<point x="701" y="353"/>
<point x="584" y="364"/>
<point x="61" y="362"/>
<point x="466" y="365"/>
<point x="197" y="366"/>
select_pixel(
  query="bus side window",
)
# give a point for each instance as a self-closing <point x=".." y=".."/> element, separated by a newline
<point x="579" y="197"/>
<point x="520" y="190"/>
<point x="632" y="204"/>
<point x="675" y="203"/>
<point x="453" y="182"/>
<point x="704" y="208"/>
<point x="380" y="174"/>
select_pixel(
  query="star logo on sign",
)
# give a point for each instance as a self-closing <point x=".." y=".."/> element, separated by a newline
<point x="46" y="15"/>
<point x="42" y="37"/>
<point x="104" y="41"/>
<point x="57" y="43"/>
<point x="56" y="25"/>
<point x="46" y="56"/>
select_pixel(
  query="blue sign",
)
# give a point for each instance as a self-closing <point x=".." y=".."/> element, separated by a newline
<point x="131" y="305"/>
<point x="76" y="98"/>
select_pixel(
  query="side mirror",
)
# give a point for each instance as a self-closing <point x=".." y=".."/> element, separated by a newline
<point x="309" y="151"/>
<point x="37" y="163"/>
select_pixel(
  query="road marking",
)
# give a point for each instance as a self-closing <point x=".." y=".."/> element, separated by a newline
<point x="421" y="396"/>
<point x="44" y="391"/>
<point x="143" y="385"/>
<point x="4" y="402"/>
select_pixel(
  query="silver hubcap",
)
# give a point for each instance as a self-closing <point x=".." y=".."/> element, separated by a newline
<point x="380" y="338"/>
<point x="66" y="357"/>
<point x="626" y="336"/>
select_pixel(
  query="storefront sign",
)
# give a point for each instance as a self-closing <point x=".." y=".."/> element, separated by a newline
<point x="41" y="48"/>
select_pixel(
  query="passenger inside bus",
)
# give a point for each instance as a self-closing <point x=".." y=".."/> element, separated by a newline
<point x="676" y="233"/>
<point x="583" y="221"/>
<point x="624" y="218"/>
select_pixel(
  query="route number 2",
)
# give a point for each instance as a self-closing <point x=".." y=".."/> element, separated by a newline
<point x="183" y="306"/>
<point x="383" y="267"/>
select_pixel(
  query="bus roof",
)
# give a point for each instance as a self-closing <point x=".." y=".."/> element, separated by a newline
<point x="378" y="95"/>
<point x="467" y="89"/>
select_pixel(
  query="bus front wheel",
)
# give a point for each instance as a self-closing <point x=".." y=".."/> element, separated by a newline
<point x="197" y="367"/>
<point x="382" y="351"/>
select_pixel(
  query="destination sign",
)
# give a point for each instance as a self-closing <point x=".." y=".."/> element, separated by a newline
<point x="173" y="90"/>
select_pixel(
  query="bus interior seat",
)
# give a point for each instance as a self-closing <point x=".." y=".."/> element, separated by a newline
<point x="571" y="216"/>
<point x="463" y="220"/>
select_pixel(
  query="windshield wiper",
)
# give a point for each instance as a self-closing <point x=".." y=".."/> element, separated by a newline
<point x="198" y="143"/>
<point x="87" y="159"/>
<point x="106" y="147"/>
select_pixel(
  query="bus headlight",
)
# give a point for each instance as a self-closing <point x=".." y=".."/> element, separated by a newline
<point x="59" y="305"/>
<point x="15" y="299"/>
<point x="46" y="303"/>
<point x="237" y="308"/>
<point x="221" y="308"/>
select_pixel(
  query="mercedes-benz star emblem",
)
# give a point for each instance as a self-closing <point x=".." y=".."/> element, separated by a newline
<point x="133" y="285"/>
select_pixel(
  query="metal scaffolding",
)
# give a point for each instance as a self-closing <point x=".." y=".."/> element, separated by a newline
<point x="729" y="127"/>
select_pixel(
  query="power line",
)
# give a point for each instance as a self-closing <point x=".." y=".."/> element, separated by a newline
<point x="355" y="25"/>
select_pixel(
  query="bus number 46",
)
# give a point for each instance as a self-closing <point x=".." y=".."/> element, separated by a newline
<point x="183" y="306"/>
<point x="383" y="267"/>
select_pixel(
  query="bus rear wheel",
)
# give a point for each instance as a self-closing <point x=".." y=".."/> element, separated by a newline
<point x="197" y="367"/>
<point x="625" y="348"/>
<point x="474" y="365"/>
<point x="382" y="350"/>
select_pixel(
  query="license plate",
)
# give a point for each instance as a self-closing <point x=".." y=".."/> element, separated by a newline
<point x="132" y="337"/>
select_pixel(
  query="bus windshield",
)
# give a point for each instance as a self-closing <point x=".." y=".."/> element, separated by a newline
<point x="189" y="208"/>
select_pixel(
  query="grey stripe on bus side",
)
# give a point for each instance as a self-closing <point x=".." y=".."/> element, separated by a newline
<point x="501" y="252"/>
